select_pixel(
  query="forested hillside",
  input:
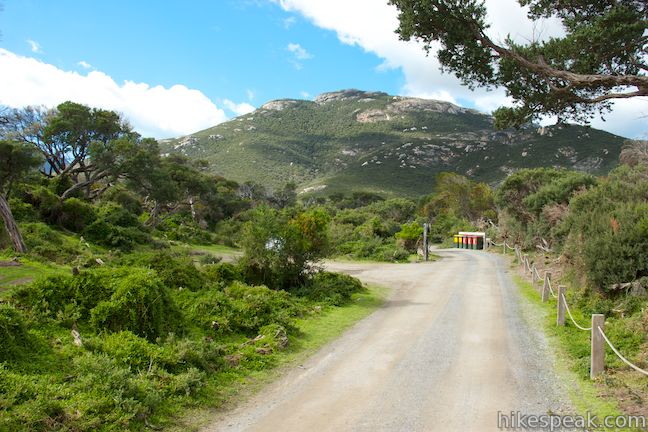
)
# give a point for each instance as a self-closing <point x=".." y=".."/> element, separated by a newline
<point x="370" y="141"/>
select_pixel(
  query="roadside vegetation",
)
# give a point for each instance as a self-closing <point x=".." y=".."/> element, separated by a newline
<point x="592" y="234"/>
<point x="117" y="310"/>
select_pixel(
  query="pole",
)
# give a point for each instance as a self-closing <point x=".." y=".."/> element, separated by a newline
<point x="545" y="287"/>
<point x="560" y="318"/>
<point x="598" y="346"/>
<point x="425" y="241"/>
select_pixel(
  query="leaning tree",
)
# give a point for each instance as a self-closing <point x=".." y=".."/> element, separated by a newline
<point x="16" y="161"/>
<point x="601" y="57"/>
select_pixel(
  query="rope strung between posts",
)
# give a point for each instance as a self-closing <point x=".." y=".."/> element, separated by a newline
<point x="638" y="369"/>
<point x="564" y="300"/>
<point x="535" y="269"/>
<point x="551" y="289"/>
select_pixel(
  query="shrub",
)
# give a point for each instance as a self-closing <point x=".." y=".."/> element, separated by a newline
<point x="13" y="334"/>
<point x="22" y="211"/>
<point x="410" y="234"/>
<point x="175" y="271"/>
<point x="140" y="303"/>
<point x="281" y="248"/>
<point x="331" y="288"/>
<point x="607" y="229"/>
<point x="242" y="308"/>
<point x="128" y="200"/>
<point x="116" y="227"/>
<point x="130" y="350"/>
<point x="61" y="295"/>
<point x="179" y="355"/>
<point x="113" y="398"/>
<point x="224" y="273"/>
<point x="74" y="214"/>
<point x="46" y="243"/>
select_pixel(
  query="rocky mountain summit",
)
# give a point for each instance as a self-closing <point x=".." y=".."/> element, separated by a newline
<point x="355" y="140"/>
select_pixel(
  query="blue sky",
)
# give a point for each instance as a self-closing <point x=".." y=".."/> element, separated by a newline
<point x="192" y="64"/>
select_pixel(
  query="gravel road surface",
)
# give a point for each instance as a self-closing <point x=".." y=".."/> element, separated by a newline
<point x="453" y="345"/>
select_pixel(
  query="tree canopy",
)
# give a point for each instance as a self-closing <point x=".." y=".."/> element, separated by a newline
<point x="602" y="56"/>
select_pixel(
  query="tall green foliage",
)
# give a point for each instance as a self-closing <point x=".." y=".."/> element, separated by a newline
<point x="282" y="247"/>
<point x="607" y="228"/>
<point x="534" y="202"/>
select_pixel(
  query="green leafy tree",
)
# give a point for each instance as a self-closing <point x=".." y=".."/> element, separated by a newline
<point x="84" y="148"/>
<point x="535" y="201"/>
<point x="410" y="234"/>
<point x="282" y="248"/>
<point x="16" y="162"/>
<point x="601" y="57"/>
<point x="459" y="196"/>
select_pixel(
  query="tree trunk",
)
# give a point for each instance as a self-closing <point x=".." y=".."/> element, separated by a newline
<point x="11" y="226"/>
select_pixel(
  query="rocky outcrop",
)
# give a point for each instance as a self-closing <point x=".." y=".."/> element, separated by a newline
<point x="279" y="105"/>
<point x="343" y="95"/>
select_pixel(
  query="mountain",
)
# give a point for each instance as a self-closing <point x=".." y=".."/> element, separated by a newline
<point x="354" y="140"/>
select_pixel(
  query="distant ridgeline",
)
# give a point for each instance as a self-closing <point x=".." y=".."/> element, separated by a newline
<point x="370" y="141"/>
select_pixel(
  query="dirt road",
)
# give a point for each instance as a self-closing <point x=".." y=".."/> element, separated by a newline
<point x="451" y="347"/>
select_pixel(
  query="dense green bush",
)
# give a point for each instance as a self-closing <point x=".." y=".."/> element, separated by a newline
<point x="224" y="273"/>
<point x="410" y="234"/>
<point x="65" y="295"/>
<point x="130" y="350"/>
<point x="22" y="211"/>
<point x="48" y="244"/>
<point x="534" y="203"/>
<point x="140" y="303"/>
<point x="239" y="308"/>
<point x="281" y="248"/>
<point x="125" y="198"/>
<point x="180" y="227"/>
<point x="374" y="248"/>
<point x="116" y="227"/>
<point x="13" y="334"/>
<point x="332" y="288"/>
<point x="175" y="270"/>
<point x="74" y="214"/>
<point x="114" y="398"/>
<point x="607" y="229"/>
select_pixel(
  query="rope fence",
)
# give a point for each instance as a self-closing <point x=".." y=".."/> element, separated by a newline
<point x="637" y="368"/>
<point x="572" y="316"/>
<point x="598" y="336"/>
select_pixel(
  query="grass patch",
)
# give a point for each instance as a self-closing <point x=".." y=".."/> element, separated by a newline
<point x="234" y="386"/>
<point x="572" y="347"/>
<point x="28" y="270"/>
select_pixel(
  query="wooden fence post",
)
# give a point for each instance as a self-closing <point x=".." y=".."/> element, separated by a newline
<point x="533" y="272"/>
<point x="425" y="242"/>
<point x="545" y="287"/>
<point x="525" y="260"/>
<point x="598" y="346"/>
<point x="560" y="319"/>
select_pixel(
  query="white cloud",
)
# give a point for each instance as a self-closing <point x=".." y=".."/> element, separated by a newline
<point x="84" y="64"/>
<point x="305" y="94"/>
<point x="289" y="22"/>
<point x="299" y="52"/>
<point x="250" y="94"/>
<point x="238" y="109"/>
<point x="374" y="33"/>
<point x="34" y="46"/>
<point x="152" y="110"/>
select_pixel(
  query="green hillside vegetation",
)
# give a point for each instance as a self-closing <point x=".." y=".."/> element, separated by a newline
<point x="369" y="141"/>
<point x="593" y="233"/>
<point x="117" y="309"/>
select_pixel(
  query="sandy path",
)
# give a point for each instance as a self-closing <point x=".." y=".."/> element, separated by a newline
<point x="449" y="349"/>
